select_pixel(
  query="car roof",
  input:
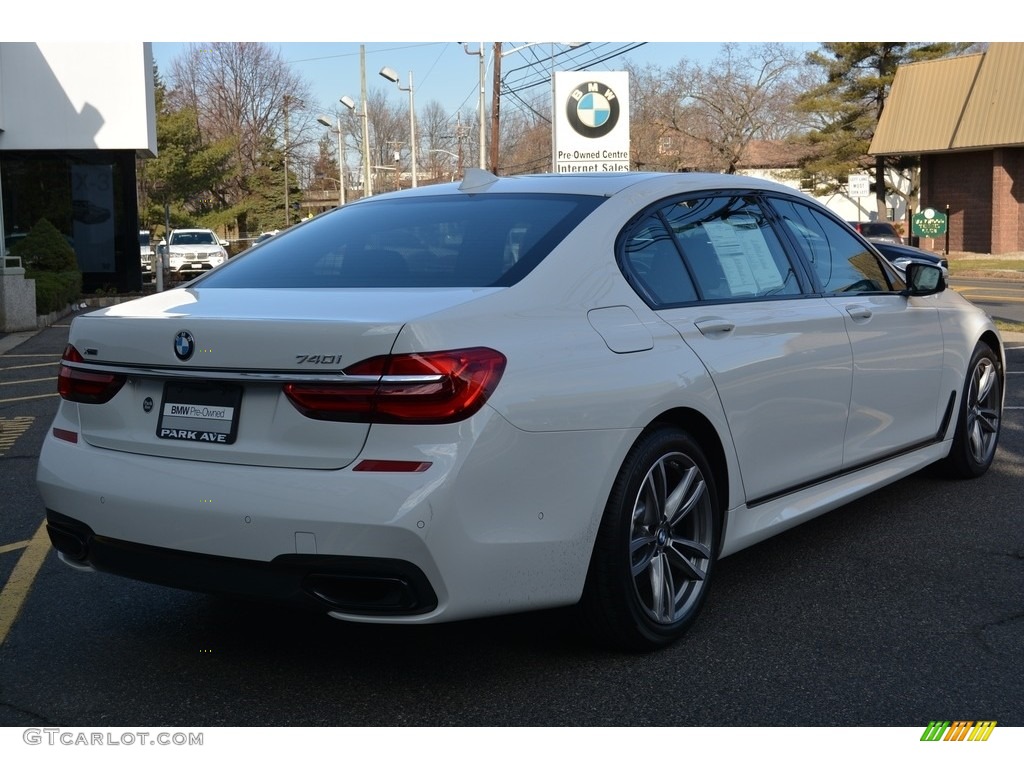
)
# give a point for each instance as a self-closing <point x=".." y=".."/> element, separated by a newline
<point x="478" y="181"/>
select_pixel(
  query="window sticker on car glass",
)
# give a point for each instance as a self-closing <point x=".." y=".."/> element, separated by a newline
<point x="744" y="255"/>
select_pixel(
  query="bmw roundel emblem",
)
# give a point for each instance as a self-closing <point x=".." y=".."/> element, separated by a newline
<point x="592" y="109"/>
<point x="184" y="345"/>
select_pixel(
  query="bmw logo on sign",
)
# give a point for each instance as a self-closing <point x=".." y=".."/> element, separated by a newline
<point x="592" y="109"/>
<point x="184" y="345"/>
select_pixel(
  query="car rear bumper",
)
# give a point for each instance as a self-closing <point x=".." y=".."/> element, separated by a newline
<point x="354" y="585"/>
<point x="493" y="526"/>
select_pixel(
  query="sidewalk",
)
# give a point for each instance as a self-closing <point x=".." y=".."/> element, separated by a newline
<point x="9" y="341"/>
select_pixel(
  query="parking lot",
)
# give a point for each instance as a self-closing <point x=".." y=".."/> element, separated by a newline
<point x="898" y="609"/>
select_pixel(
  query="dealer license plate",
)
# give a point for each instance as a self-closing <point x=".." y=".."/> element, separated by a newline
<point x="204" y="413"/>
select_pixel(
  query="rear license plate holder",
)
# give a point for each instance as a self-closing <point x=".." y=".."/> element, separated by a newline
<point x="204" y="412"/>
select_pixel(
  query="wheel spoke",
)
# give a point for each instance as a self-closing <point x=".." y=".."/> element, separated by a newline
<point x="663" y="591"/>
<point x="653" y="493"/>
<point x="637" y="544"/>
<point x="985" y="378"/>
<point x="690" y="488"/>
<point x="657" y="573"/>
<point x="684" y="555"/>
<point x="989" y="421"/>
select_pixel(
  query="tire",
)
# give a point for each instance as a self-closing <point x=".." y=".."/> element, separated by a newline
<point x="977" y="427"/>
<point x="656" y="545"/>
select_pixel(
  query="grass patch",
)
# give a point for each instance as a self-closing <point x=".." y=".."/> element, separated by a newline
<point x="1009" y="326"/>
<point x="1006" y="268"/>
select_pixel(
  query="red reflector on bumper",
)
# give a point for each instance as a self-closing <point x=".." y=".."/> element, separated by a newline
<point x="382" y="465"/>
<point x="65" y="434"/>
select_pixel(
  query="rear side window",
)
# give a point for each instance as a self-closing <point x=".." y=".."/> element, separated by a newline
<point x="447" y="241"/>
<point x="652" y="258"/>
<point x="715" y="248"/>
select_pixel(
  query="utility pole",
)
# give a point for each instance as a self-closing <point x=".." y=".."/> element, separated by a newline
<point x="458" y="138"/>
<point x="367" y="181"/>
<point x="496" y="108"/>
<point x="287" y="210"/>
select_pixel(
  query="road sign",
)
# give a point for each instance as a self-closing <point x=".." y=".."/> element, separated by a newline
<point x="858" y="185"/>
<point x="928" y="223"/>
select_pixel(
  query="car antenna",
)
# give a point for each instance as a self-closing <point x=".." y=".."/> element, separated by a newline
<point x="476" y="178"/>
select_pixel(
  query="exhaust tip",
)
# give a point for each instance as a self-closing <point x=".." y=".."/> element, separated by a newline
<point x="364" y="594"/>
<point x="71" y="541"/>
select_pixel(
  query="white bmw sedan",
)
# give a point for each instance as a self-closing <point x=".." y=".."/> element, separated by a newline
<point x="512" y="394"/>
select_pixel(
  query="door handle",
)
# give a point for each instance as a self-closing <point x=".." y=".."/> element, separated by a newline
<point x="858" y="312"/>
<point x="715" y="327"/>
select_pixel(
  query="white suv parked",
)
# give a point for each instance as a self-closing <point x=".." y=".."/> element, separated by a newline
<point x="195" y="250"/>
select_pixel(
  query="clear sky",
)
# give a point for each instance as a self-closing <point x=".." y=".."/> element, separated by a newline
<point x="442" y="71"/>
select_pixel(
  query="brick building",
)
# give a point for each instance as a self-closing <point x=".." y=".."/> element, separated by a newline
<point x="964" y="117"/>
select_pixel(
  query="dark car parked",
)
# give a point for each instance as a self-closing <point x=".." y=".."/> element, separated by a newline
<point x="879" y="231"/>
<point x="901" y="255"/>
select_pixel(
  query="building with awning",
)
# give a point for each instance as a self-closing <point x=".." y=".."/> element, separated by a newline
<point x="964" y="118"/>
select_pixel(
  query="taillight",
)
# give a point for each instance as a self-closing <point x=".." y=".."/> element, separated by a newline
<point x="426" y="388"/>
<point x="85" y="386"/>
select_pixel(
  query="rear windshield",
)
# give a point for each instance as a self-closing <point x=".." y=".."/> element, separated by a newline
<point x="448" y="241"/>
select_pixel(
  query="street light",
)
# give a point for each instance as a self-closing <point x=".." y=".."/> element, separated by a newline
<point x="389" y="74"/>
<point x="341" y="159"/>
<point x="480" y="109"/>
<point x="458" y="159"/>
<point x="348" y="103"/>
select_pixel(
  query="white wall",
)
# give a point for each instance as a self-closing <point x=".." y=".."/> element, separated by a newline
<point x="85" y="95"/>
<point x="846" y="207"/>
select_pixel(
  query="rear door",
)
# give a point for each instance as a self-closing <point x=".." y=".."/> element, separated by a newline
<point x="713" y="268"/>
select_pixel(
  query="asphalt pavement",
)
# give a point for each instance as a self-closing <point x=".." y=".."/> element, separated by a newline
<point x="897" y="609"/>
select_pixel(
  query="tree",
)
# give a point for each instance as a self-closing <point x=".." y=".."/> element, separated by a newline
<point x="435" y="131"/>
<point x="741" y="96"/>
<point x="848" y="104"/>
<point x="653" y="100"/>
<point x="704" y="117"/>
<point x="187" y="170"/>
<point x="525" y="138"/>
<point x="245" y="92"/>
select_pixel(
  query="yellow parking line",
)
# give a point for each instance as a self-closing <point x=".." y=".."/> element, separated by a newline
<point x="29" y="397"/>
<point x="14" y="593"/>
<point x="26" y="381"/>
<point x="33" y="365"/>
<point x="14" y="546"/>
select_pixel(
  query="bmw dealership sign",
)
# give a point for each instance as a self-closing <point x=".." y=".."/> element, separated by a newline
<point x="591" y="131"/>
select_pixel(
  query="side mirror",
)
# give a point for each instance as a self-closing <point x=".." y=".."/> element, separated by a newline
<point x="924" y="279"/>
<point x="224" y="243"/>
